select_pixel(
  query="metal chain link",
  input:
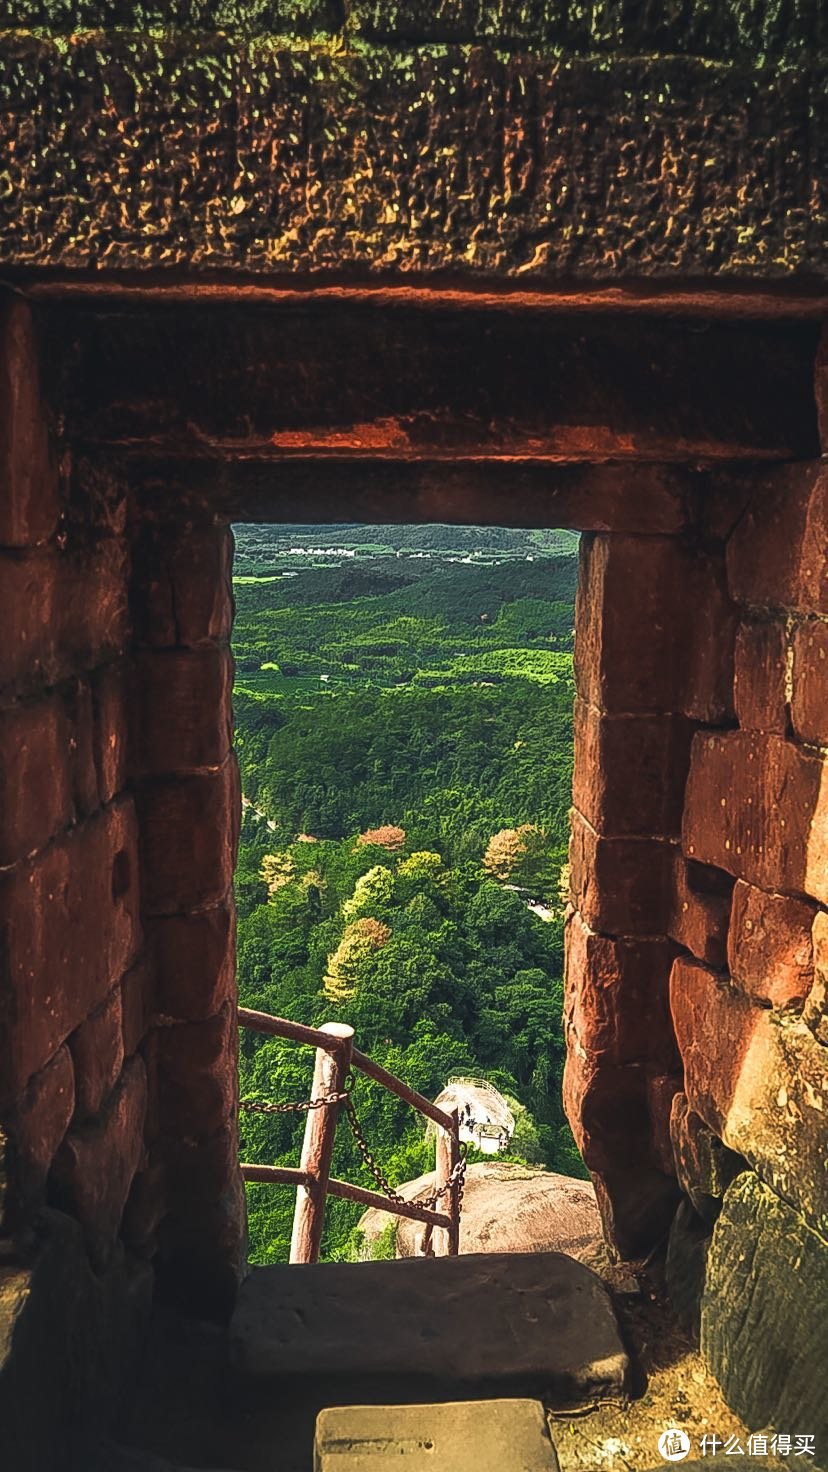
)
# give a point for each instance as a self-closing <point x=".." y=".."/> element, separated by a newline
<point x="327" y="1101"/>
<point x="457" y="1176"/>
<point x="300" y="1106"/>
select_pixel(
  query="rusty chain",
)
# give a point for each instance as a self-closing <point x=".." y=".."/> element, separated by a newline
<point x="327" y="1101"/>
<point x="299" y="1106"/>
<point x="457" y="1176"/>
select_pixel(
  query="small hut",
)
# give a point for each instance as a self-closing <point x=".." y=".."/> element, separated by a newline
<point x="486" y="1120"/>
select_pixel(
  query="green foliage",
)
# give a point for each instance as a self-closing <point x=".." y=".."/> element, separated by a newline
<point x="436" y="730"/>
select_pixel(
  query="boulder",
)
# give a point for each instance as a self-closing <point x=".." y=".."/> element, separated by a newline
<point x="507" y="1208"/>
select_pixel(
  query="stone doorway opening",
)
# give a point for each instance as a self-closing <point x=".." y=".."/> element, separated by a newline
<point x="685" y="448"/>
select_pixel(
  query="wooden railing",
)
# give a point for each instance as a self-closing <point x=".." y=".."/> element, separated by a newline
<point x="336" y="1057"/>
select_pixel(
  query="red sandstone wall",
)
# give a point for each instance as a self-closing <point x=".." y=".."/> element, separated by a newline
<point x="697" y="956"/>
<point x="118" y="820"/>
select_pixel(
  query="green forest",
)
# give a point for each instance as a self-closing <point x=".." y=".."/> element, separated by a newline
<point x="403" y="709"/>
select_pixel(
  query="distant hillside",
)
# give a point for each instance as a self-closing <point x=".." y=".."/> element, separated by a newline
<point x="261" y="547"/>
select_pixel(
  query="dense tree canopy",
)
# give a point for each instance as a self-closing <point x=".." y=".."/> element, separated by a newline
<point x="406" y="764"/>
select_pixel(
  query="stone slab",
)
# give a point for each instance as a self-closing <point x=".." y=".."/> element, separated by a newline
<point x="537" y="1322"/>
<point x="217" y="151"/>
<point x="459" y="1436"/>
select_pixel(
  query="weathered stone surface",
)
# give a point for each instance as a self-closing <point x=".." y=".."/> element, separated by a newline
<point x="199" y="1172"/>
<point x="757" y="806"/>
<point x="35" y="779"/>
<point x="637" y="1205"/>
<point x="181" y="715"/>
<point x="459" y="1436"/>
<point x="606" y="1105"/>
<point x="815" y="1011"/>
<point x="704" y="1166"/>
<point x="202" y="1252"/>
<point x="97" y="1048"/>
<point x="685" y="1267"/>
<point x="110" y="739"/>
<point x="195" y="1073"/>
<point x="511" y="1323"/>
<point x="183" y="589"/>
<point x="467" y="492"/>
<point x="759" y="677"/>
<point x="444" y="135"/>
<point x="68" y="930"/>
<point x="733" y="29"/>
<point x="770" y="953"/>
<point x="97" y="1162"/>
<point x="137" y="1003"/>
<point x="700" y="910"/>
<point x="777" y="556"/>
<point x="617" y="996"/>
<point x="245" y="17"/>
<point x="630" y="771"/>
<point x="74" y="1350"/>
<point x="434" y="385"/>
<point x="662" y="1090"/>
<point x="759" y="1079"/>
<point x="29" y="498"/>
<point x="506" y="1208"/>
<point x="809" y="699"/>
<point x="189" y="833"/>
<point x="63" y="610"/>
<point x="37" y="1127"/>
<point x="764" y="1333"/>
<point x="621" y="886"/>
<point x="654" y="629"/>
<point x="195" y="961"/>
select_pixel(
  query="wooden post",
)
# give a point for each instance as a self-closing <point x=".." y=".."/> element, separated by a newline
<point x="329" y="1075"/>
<point x="446" y="1242"/>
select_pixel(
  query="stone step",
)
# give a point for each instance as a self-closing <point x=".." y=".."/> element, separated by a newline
<point x="460" y="1436"/>
<point x="488" y="1323"/>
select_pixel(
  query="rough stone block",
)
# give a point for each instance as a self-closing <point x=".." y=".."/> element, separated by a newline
<point x="654" y="629"/>
<point x="637" y="1202"/>
<point x="35" y="780"/>
<point x="815" y="1011"/>
<point x="809" y="700"/>
<point x="200" y="1170"/>
<point x="496" y="1324"/>
<point x="77" y="698"/>
<point x="92" y="614"/>
<point x="27" y="602"/>
<point x="662" y="1090"/>
<point x="685" y="1267"/>
<point x="704" y="1165"/>
<point x="194" y="1072"/>
<point x="37" y="1127"/>
<point x="759" y="1081"/>
<point x="189" y="833"/>
<point x="184" y="588"/>
<point x="700" y="910"/>
<point x="459" y="1436"/>
<point x="757" y="806"/>
<point x="182" y="718"/>
<point x="617" y="996"/>
<point x="357" y="126"/>
<point x="763" y="1327"/>
<point x="777" y="556"/>
<point x="97" y="1048"/>
<point x="606" y="1105"/>
<point x="97" y="1163"/>
<point x="630" y="771"/>
<point x="69" y="929"/>
<point x="137" y="1004"/>
<point x="110" y="738"/>
<point x="760" y="677"/>
<point x="621" y="886"/>
<point x="770" y="954"/>
<point x="202" y="1255"/>
<point x="29" y="495"/>
<point x="194" y="958"/>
